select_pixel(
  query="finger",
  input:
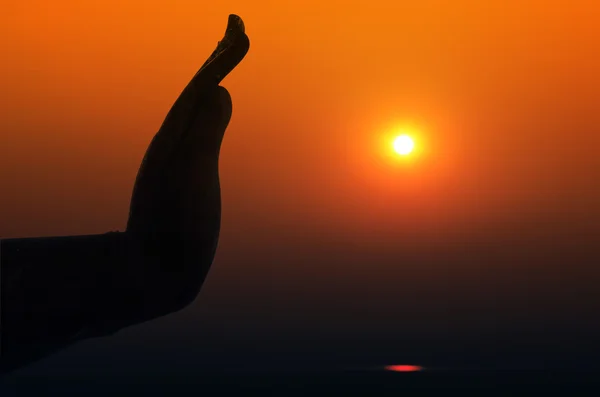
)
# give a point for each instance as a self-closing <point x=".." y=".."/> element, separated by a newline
<point x="229" y="52"/>
<point x="193" y="214"/>
<point x="194" y="165"/>
<point x="207" y="130"/>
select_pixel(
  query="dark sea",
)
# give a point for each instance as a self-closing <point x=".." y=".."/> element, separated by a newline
<point x="374" y="382"/>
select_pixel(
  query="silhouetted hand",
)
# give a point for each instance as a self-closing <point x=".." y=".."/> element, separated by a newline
<point x="58" y="290"/>
<point x="175" y="208"/>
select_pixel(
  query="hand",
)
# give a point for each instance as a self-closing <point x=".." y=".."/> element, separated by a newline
<point x="175" y="208"/>
<point x="57" y="290"/>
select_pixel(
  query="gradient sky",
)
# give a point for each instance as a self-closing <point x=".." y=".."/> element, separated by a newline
<point x="492" y="231"/>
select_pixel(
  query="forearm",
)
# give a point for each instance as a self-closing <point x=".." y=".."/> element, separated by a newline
<point x="52" y="291"/>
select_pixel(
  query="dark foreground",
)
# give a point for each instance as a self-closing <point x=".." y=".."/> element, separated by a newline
<point x="341" y="383"/>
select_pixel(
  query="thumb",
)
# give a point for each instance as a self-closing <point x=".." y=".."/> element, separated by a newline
<point x="205" y="133"/>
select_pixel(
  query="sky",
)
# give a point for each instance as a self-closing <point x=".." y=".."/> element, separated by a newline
<point x="330" y="245"/>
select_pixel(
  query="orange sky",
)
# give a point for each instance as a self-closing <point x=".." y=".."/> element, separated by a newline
<point x="504" y="93"/>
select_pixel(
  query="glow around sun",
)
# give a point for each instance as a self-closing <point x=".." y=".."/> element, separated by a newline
<point x="403" y="144"/>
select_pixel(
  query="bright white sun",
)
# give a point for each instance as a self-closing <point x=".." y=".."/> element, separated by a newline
<point x="403" y="145"/>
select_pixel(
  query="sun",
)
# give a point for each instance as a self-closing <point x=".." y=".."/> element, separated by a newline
<point x="403" y="145"/>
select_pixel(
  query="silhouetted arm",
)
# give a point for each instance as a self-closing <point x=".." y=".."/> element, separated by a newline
<point x="55" y="290"/>
<point x="59" y="290"/>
